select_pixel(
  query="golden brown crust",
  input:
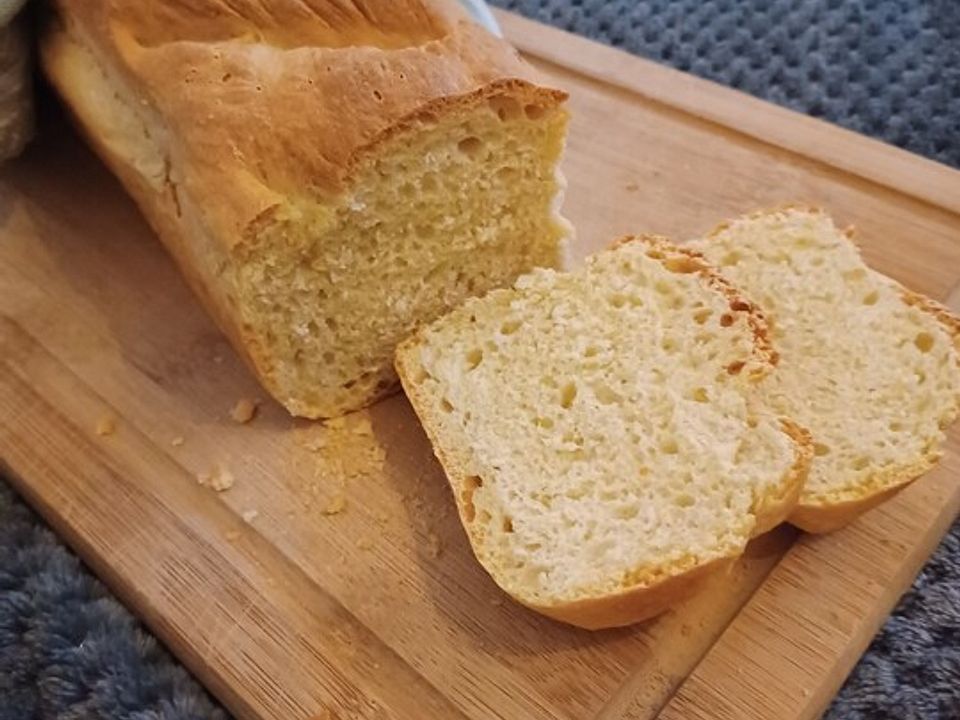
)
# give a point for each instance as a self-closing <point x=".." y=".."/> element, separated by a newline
<point x="652" y="590"/>
<point x="635" y="604"/>
<point x="263" y="101"/>
<point x="823" y="516"/>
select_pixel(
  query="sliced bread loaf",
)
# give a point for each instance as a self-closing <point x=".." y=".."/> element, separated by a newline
<point x="872" y="369"/>
<point x="327" y="174"/>
<point x="597" y="430"/>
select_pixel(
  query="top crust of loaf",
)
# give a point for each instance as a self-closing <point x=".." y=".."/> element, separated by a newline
<point x="259" y="102"/>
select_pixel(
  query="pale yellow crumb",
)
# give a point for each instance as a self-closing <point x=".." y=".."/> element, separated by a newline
<point x="363" y="426"/>
<point x="203" y="479"/>
<point x="364" y="543"/>
<point x="632" y="186"/>
<point x="250" y="515"/>
<point x="243" y="411"/>
<point x="177" y="441"/>
<point x="232" y="535"/>
<point x="221" y="479"/>
<point x="383" y="518"/>
<point x="106" y="425"/>
<point x="336" y="505"/>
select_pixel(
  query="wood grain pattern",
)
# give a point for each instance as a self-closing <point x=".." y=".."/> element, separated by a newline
<point x="379" y="610"/>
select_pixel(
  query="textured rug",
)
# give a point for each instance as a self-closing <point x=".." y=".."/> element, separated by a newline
<point x="888" y="68"/>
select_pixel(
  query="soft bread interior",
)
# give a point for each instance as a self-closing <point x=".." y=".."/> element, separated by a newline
<point x="597" y="426"/>
<point x="874" y="378"/>
<point x="438" y="214"/>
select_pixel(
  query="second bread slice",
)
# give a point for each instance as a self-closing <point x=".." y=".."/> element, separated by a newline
<point x="872" y="369"/>
<point x="597" y="430"/>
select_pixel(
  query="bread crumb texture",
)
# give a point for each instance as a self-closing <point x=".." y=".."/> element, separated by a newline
<point x="597" y="426"/>
<point x="243" y="411"/>
<point x="864" y="364"/>
<point x="106" y="425"/>
<point x="451" y="211"/>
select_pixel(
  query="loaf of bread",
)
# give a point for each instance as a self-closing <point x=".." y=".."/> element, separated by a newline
<point x="327" y="174"/>
<point x="598" y="431"/>
<point x="870" y="368"/>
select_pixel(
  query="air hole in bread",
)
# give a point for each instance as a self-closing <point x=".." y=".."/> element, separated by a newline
<point x="669" y="344"/>
<point x="702" y="315"/>
<point x="655" y="254"/>
<point x="852" y="276"/>
<point x="507" y="524"/>
<point x="924" y="342"/>
<point x="871" y="298"/>
<point x="471" y="484"/>
<point x="591" y="351"/>
<point x="474" y="357"/>
<point x="543" y="422"/>
<point x="731" y="258"/>
<point x="330" y="323"/>
<point x="683" y="264"/>
<point x="627" y="512"/>
<point x="446" y="406"/>
<point x="896" y="426"/>
<point x="568" y="393"/>
<point x="860" y="463"/>
<point x="684" y="500"/>
<point x="534" y="112"/>
<point x="328" y="357"/>
<point x="506" y="108"/>
<point x="509" y="327"/>
<point x="699" y="394"/>
<point x="726" y="320"/>
<point x="470" y="146"/>
<point x="734" y="368"/>
<point x="669" y="446"/>
<point x="820" y="449"/>
<point x="617" y="300"/>
<point x="605" y="394"/>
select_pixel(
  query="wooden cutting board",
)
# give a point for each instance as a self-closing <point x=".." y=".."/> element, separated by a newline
<point x="288" y="606"/>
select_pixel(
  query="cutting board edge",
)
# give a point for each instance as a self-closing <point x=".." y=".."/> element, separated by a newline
<point x="839" y="148"/>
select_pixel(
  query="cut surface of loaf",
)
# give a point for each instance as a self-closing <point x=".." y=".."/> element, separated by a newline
<point x="597" y="431"/>
<point x="327" y="175"/>
<point x="869" y="368"/>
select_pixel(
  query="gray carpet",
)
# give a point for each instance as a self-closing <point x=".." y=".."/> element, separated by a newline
<point x="888" y="68"/>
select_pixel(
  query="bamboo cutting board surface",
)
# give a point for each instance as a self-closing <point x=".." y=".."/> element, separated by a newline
<point x="333" y="580"/>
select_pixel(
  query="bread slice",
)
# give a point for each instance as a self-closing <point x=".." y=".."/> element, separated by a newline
<point x="871" y="369"/>
<point x="327" y="174"/>
<point x="597" y="430"/>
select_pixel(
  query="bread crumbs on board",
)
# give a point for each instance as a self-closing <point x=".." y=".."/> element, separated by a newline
<point x="337" y="505"/>
<point x="249" y="515"/>
<point x="219" y="479"/>
<point x="177" y="441"/>
<point x="243" y="411"/>
<point x="106" y="425"/>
